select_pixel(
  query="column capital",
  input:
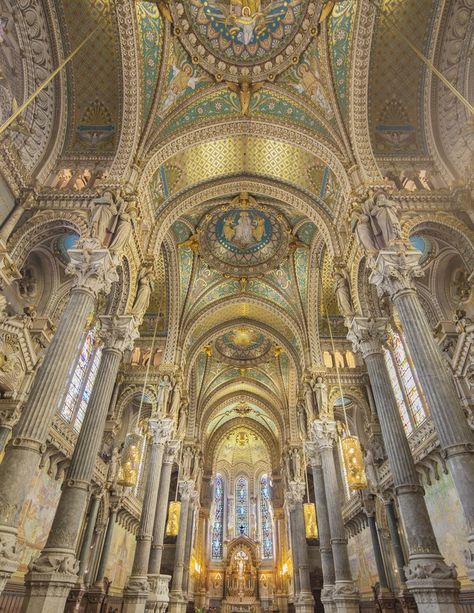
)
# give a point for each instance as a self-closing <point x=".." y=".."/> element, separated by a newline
<point x="394" y="271"/>
<point x="324" y="433"/>
<point x="93" y="267"/>
<point x="118" y="331"/>
<point x="367" y="334"/>
<point x="187" y="490"/>
<point x="160" y="429"/>
<point x="312" y="453"/>
<point x="171" y="451"/>
<point x="295" y="493"/>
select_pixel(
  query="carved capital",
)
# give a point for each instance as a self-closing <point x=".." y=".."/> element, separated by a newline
<point x="367" y="335"/>
<point x="171" y="451"/>
<point x="93" y="267"/>
<point x="395" y="271"/>
<point x="118" y="332"/>
<point x="187" y="490"/>
<point x="295" y="493"/>
<point x="324" y="433"/>
<point x="160" y="429"/>
<point x="312" y="453"/>
<point x="55" y="562"/>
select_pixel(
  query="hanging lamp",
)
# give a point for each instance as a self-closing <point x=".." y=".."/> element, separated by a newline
<point x="134" y="444"/>
<point x="350" y="444"/>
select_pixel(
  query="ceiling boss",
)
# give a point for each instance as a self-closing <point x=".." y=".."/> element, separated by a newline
<point x="251" y="40"/>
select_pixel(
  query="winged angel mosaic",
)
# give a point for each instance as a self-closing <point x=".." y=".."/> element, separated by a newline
<point x="245" y="28"/>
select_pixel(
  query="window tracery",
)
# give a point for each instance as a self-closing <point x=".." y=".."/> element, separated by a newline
<point x="266" y="518"/>
<point x="81" y="382"/>
<point x="241" y="507"/>
<point x="401" y="375"/>
<point x="217" y="532"/>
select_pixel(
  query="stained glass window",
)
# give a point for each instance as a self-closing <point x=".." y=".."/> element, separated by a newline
<point x="266" y="518"/>
<point x="82" y="380"/>
<point x="401" y="375"/>
<point x="217" y="532"/>
<point x="241" y="507"/>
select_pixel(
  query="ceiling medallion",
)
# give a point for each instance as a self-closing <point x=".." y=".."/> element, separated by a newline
<point x="244" y="345"/>
<point x="245" y="40"/>
<point x="244" y="239"/>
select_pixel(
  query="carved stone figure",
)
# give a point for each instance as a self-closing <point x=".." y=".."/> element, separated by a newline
<point x="164" y="391"/>
<point x="343" y="294"/>
<point x="302" y="427"/>
<point x="385" y="214"/>
<point x="361" y="226"/>
<point x="321" y="392"/>
<point x="183" y="418"/>
<point x="123" y="230"/>
<point x="105" y="211"/>
<point x="142" y="298"/>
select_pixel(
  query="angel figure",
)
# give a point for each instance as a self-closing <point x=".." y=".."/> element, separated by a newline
<point x="182" y="77"/>
<point x="307" y="80"/>
<point x="343" y="293"/>
<point x="145" y="286"/>
<point x="245" y="91"/>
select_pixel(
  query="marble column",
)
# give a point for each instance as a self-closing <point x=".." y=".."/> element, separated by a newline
<point x="57" y="565"/>
<point x="281" y="591"/>
<point x="304" y="601"/>
<point x="109" y="533"/>
<point x="345" y="595"/>
<point x="88" y="534"/>
<point x="294" y="549"/>
<point x="386" y="599"/>
<point x="396" y="542"/>
<point x="137" y="588"/>
<point x="394" y="273"/>
<point x="178" y="599"/>
<point x="156" y="553"/>
<point x="431" y="581"/>
<point x="327" y="561"/>
<point x="94" y="271"/>
<point x="189" y="546"/>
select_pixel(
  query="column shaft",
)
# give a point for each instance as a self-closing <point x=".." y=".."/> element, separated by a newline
<point x="104" y="555"/>
<point x="88" y="534"/>
<point x="156" y="553"/>
<point x="456" y="438"/>
<point x="188" y="549"/>
<point x="396" y="541"/>
<point x="377" y="552"/>
<point x="178" y="571"/>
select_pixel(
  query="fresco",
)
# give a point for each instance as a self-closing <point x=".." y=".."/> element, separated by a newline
<point x="361" y="557"/>
<point x="121" y="555"/>
<point x="450" y="528"/>
<point x="37" y="516"/>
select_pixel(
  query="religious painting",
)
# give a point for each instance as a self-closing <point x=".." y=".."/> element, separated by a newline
<point x="228" y="37"/>
<point x="120" y="559"/>
<point x="245" y="239"/>
<point x="243" y="344"/>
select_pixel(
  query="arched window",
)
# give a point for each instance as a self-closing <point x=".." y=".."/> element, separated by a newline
<point x="81" y="382"/>
<point x="409" y="403"/>
<point x="217" y="529"/>
<point x="241" y="507"/>
<point x="266" y="518"/>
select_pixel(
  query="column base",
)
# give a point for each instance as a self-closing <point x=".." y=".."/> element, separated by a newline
<point x="47" y="592"/>
<point x="10" y="553"/>
<point x="407" y="602"/>
<point x="135" y="595"/>
<point x="304" y="603"/>
<point x="158" y="596"/>
<point x="178" y="602"/>
<point x="435" y="596"/>
<point x="94" y="599"/>
<point x="75" y="597"/>
<point x="434" y="586"/>
<point x="387" y="601"/>
<point x="346" y="597"/>
<point x="327" y="599"/>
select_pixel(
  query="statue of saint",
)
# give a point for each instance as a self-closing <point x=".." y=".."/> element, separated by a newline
<point x="164" y="391"/>
<point x="123" y="230"/>
<point x="145" y="286"/>
<point x="384" y="212"/>
<point x="343" y="294"/>
<point x="321" y="391"/>
<point x="105" y="211"/>
<point x="362" y="228"/>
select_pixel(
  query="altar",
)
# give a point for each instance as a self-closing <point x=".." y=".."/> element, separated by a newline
<point x="241" y="578"/>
